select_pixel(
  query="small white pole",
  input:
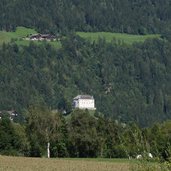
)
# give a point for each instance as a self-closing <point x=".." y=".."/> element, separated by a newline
<point x="48" y="150"/>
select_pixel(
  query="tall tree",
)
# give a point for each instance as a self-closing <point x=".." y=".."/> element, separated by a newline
<point x="44" y="124"/>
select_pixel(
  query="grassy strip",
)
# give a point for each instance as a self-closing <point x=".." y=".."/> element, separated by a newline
<point x="119" y="37"/>
<point x="112" y="160"/>
<point x="36" y="164"/>
<point x="21" y="32"/>
<point x="77" y="164"/>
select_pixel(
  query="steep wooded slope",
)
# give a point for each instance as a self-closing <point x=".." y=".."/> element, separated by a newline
<point x="131" y="83"/>
<point x="130" y="16"/>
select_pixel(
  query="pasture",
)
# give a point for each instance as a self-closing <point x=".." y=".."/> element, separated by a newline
<point x="118" y="37"/>
<point x="43" y="164"/>
<point x="71" y="164"/>
<point x="19" y="34"/>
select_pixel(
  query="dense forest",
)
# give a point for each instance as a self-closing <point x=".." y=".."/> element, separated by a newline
<point x="82" y="136"/>
<point x="62" y="16"/>
<point x="129" y="82"/>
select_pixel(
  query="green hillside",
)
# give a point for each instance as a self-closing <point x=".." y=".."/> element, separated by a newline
<point x="129" y="83"/>
<point x="118" y="51"/>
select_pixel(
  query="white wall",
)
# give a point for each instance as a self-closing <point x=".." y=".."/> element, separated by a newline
<point x="84" y="104"/>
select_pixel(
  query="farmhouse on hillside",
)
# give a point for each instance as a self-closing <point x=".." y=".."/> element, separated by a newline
<point x="41" y="37"/>
<point x="84" y="102"/>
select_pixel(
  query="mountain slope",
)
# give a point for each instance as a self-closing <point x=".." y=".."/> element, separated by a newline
<point x="129" y="83"/>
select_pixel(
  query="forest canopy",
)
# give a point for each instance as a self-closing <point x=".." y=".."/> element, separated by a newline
<point x="129" y="83"/>
<point x="62" y="16"/>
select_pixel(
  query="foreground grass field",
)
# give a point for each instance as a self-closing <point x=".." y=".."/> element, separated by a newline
<point x="42" y="164"/>
<point x="56" y="164"/>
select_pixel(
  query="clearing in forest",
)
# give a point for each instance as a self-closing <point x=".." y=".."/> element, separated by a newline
<point x="22" y="32"/>
<point x="118" y="37"/>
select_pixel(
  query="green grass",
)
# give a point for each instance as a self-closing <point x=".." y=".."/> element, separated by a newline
<point x="78" y="164"/>
<point x="19" y="34"/>
<point x="113" y="160"/>
<point x="122" y="37"/>
<point x="39" y="164"/>
<point x="5" y="37"/>
<point x="23" y="32"/>
<point x="27" y="42"/>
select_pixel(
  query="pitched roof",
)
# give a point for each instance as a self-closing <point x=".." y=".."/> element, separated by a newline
<point x="83" y="97"/>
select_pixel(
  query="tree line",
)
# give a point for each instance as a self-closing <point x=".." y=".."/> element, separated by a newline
<point x="62" y="16"/>
<point x="81" y="135"/>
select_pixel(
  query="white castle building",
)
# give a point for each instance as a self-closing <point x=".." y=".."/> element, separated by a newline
<point x="84" y="102"/>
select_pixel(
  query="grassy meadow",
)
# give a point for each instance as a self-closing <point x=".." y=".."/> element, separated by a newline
<point x="71" y="164"/>
<point x="119" y="37"/>
<point x="22" y="32"/>
<point x="68" y="164"/>
<point x="19" y="34"/>
<point x="43" y="164"/>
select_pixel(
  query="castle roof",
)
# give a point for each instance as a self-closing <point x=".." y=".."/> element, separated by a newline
<point x="83" y="97"/>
